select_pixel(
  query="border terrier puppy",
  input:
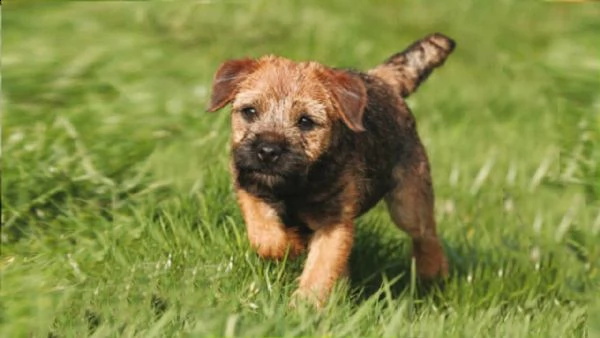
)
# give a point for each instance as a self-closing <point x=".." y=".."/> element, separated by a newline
<point x="314" y="147"/>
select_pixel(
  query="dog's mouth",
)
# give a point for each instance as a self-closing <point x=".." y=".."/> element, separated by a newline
<point x="268" y="176"/>
<point x="262" y="178"/>
<point x="268" y="181"/>
<point x="264" y="174"/>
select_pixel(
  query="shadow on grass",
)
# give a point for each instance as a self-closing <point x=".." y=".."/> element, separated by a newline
<point x="382" y="254"/>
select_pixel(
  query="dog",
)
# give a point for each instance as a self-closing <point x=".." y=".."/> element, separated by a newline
<point x="314" y="147"/>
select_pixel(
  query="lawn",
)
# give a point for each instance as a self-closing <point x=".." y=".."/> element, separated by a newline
<point x="118" y="217"/>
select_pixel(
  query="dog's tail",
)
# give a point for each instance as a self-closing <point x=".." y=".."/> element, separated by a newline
<point x="406" y="70"/>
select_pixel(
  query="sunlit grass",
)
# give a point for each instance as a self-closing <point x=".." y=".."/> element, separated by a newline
<point x="117" y="212"/>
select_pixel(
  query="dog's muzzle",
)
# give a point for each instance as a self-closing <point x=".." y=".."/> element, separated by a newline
<point x="268" y="152"/>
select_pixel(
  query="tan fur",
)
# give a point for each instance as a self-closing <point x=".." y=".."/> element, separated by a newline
<point x="267" y="235"/>
<point x="327" y="261"/>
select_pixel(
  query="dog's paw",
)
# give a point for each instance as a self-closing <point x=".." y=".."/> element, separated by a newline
<point x="275" y="244"/>
<point x="430" y="258"/>
<point x="304" y="296"/>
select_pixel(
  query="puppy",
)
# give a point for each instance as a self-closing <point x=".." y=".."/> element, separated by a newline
<point x="314" y="147"/>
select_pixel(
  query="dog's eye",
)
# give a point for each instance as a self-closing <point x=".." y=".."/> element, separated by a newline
<point x="249" y="113"/>
<point x="305" y="123"/>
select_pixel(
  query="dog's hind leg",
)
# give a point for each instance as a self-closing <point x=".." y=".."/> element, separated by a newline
<point x="411" y="207"/>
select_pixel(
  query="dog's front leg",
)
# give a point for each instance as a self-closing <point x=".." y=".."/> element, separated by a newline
<point x="267" y="234"/>
<point x="327" y="260"/>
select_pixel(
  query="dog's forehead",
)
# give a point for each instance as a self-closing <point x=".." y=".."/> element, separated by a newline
<point x="280" y="77"/>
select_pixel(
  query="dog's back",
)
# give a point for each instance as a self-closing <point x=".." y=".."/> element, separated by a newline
<point x="390" y="141"/>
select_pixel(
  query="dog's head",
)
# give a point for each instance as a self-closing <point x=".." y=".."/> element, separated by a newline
<point x="285" y="115"/>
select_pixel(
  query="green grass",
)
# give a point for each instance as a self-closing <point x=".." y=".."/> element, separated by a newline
<point x="117" y="211"/>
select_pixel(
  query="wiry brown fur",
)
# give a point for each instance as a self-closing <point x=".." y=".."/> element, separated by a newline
<point x="301" y="187"/>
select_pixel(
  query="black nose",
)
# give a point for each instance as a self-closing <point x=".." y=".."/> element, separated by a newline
<point x="268" y="152"/>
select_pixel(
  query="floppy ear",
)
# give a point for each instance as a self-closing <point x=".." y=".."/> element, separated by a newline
<point x="350" y="96"/>
<point x="228" y="77"/>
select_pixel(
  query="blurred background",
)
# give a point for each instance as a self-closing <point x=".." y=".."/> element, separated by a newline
<point x="103" y="128"/>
